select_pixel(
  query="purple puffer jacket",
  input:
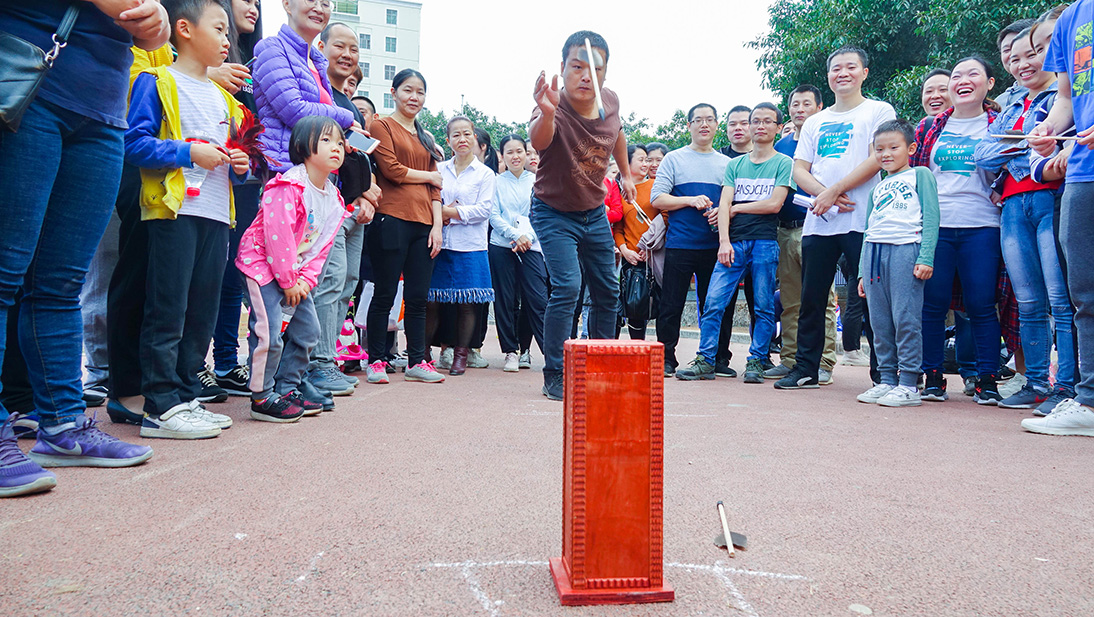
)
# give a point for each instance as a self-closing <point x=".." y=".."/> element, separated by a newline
<point x="285" y="91"/>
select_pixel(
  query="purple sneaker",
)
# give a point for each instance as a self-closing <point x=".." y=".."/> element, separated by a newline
<point x="86" y="446"/>
<point x="18" y="474"/>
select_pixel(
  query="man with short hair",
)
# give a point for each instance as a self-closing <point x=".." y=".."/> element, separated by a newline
<point x="805" y="100"/>
<point x="367" y="109"/>
<point x="688" y="184"/>
<point x="338" y="42"/>
<point x="737" y="131"/>
<point x="753" y="191"/>
<point x="835" y="162"/>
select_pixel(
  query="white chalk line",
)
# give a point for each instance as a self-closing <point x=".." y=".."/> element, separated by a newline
<point x="312" y="567"/>
<point x="720" y="571"/>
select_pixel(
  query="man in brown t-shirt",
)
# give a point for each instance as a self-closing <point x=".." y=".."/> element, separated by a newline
<point x="568" y="215"/>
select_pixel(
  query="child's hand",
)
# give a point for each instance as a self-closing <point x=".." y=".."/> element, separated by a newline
<point x="207" y="156"/>
<point x="862" y="289"/>
<point x="922" y="272"/>
<point x="240" y="162"/>
<point x="296" y="293"/>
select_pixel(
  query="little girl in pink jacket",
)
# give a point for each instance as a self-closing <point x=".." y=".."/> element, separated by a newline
<point x="282" y="255"/>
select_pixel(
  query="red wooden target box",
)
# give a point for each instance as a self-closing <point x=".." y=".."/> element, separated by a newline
<point x="612" y="483"/>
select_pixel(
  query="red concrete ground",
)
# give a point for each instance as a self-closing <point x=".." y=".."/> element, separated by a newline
<point x="425" y="500"/>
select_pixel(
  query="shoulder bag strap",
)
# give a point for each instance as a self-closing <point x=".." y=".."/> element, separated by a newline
<point x="60" y="38"/>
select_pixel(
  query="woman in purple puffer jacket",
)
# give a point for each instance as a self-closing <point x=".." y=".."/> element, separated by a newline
<point x="290" y="79"/>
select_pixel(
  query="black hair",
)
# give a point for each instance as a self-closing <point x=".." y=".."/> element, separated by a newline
<point x="932" y="73"/>
<point x="424" y="137"/>
<point x="740" y="108"/>
<point x="361" y="97"/>
<point x="803" y="89"/>
<point x="325" y="34"/>
<point x="1052" y="14"/>
<point x="691" y="112"/>
<point x="905" y="128"/>
<point x="632" y="148"/>
<point x="1013" y="28"/>
<point x="577" y="39"/>
<point x="244" y="42"/>
<point x="981" y="61"/>
<point x="770" y="107"/>
<point x="490" y="158"/>
<point x="863" y="57"/>
<point x="191" y="11"/>
<point x="656" y="145"/>
<point x="358" y="74"/>
<point x="511" y="137"/>
<point x="305" y="136"/>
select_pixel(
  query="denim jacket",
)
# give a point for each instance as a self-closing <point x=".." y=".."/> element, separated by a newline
<point x="994" y="154"/>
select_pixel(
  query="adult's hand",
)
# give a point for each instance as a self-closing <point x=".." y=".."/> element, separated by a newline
<point x="547" y="96"/>
<point x="1037" y="139"/>
<point x="725" y="254"/>
<point x="364" y="210"/>
<point x="522" y="244"/>
<point x="630" y="193"/>
<point x="435" y="240"/>
<point x="147" y="23"/>
<point x="373" y="195"/>
<point x="114" y="8"/>
<point x="631" y="256"/>
<point x="230" y="76"/>
<point x="435" y="179"/>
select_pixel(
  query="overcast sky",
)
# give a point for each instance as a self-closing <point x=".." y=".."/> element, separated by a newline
<point x="664" y="56"/>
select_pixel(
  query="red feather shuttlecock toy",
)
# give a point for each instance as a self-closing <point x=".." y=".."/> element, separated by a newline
<point x="244" y="136"/>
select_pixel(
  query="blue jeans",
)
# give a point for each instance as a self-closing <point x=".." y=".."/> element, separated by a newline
<point x="964" y="346"/>
<point x="572" y="242"/>
<point x="761" y="258"/>
<point x="1029" y="250"/>
<point x="60" y="176"/>
<point x="974" y="254"/>
<point x="226" y="333"/>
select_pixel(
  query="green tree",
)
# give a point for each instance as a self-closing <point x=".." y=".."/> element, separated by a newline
<point x="904" y="38"/>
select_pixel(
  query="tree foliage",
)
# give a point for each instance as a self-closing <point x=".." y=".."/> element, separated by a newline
<point x="904" y="38"/>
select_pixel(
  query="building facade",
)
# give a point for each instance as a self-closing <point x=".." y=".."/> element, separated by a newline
<point x="389" y="36"/>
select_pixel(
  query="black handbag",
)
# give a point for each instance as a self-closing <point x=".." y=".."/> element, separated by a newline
<point x="23" y="66"/>
<point x="637" y="293"/>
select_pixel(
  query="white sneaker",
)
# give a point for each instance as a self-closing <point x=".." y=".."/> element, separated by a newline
<point x="445" y="361"/>
<point x="901" y="396"/>
<point x="824" y="377"/>
<point x="218" y="419"/>
<point x="874" y="394"/>
<point x="475" y="359"/>
<point x="512" y="363"/>
<point x="1067" y="418"/>
<point x="526" y="359"/>
<point x="855" y="357"/>
<point x="179" y="422"/>
<point x="1011" y="386"/>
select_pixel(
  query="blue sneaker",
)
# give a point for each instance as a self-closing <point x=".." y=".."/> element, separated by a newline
<point x="19" y="475"/>
<point x="86" y="446"/>
<point x="25" y="425"/>
<point x="330" y="379"/>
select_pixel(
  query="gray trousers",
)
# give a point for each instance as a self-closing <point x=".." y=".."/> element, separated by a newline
<point x="895" y="300"/>
<point x="278" y="361"/>
<point x="1076" y="230"/>
<point x="93" y="305"/>
<point x="336" y="285"/>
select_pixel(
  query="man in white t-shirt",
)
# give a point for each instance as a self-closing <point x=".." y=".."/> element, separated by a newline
<point x="834" y="162"/>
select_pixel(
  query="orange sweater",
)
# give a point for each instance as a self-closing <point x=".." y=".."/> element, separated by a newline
<point x="630" y="229"/>
<point x="400" y="151"/>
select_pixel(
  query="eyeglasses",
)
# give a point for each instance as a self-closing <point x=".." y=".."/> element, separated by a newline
<point x="323" y="4"/>
<point x="707" y="120"/>
<point x="764" y="122"/>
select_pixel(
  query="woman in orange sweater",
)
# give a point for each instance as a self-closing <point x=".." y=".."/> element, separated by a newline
<point x="636" y="220"/>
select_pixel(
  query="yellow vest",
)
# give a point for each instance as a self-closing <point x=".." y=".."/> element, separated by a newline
<point x="162" y="190"/>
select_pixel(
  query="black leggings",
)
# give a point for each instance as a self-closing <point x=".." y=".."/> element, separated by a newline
<point x="399" y="247"/>
<point x="466" y="326"/>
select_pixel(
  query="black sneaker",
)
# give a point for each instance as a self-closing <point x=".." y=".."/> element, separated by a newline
<point x="670" y="369"/>
<point x="310" y="408"/>
<point x="934" y="387"/>
<point x="754" y="371"/>
<point x="352" y="366"/>
<point x="95" y="396"/>
<point x="210" y="391"/>
<point x="722" y="369"/>
<point x="797" y="379"/>
<point x="312" y="393"/>
<point x="697" y="369"/>
<point x="275" y="409"/>
<point x="236" y="382"/>
<point x="987" y="392"/>
<point x="553" y="387"/>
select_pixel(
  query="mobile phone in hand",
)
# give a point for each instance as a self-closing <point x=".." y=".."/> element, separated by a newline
<point x="361" y="142"/>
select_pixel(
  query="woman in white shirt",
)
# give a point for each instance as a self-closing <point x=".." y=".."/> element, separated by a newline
<point x="461" y="271"/>
<point x="516" y="261"/>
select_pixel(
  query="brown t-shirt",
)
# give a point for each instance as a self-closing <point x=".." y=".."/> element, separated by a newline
<point x="400" y="151"/>
<point x="572" y="169"/>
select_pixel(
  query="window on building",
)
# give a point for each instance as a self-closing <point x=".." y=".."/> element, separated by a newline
<point x="364" y="69"/>
<point x="389" y="44"/>
<point x="349" y="7"/>
<point x="392" y="17"/>
<point x="389" y="71"/>
<point x="389" y="103"/>
<point x="366" y="41"/>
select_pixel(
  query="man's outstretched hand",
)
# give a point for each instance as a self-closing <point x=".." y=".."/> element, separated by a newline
<point x="547" y="96"/>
